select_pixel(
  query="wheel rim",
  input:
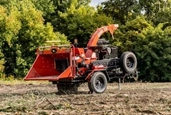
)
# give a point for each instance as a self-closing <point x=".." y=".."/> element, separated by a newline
<point x="130" y="62"/>
<point x="99" y="84"/>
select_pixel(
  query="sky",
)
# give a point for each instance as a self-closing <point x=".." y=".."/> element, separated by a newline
<point x="96" y="2"/>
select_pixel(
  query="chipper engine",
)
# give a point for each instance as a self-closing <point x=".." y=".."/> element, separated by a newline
<point x="68" y="66"/>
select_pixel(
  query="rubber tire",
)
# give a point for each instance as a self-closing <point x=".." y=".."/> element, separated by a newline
<point x="101" y="79"/>
<point x="124" y="57"/>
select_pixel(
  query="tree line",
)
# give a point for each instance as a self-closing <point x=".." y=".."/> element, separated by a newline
<point x="144" y="28"/>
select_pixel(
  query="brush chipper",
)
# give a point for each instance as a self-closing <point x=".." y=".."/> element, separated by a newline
<point x="68" y="66"/>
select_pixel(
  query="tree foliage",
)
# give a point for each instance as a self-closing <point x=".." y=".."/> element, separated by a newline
<point x="120" y="10"/>
<point x="151" y="46"/>
<point x="79" y="21"/>
<point x="22" y="31"/>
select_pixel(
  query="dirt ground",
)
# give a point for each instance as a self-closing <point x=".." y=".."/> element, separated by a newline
<point x="41" y="99"/>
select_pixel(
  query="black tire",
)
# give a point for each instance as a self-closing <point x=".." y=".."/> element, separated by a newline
<point x="129" y="62"/>
<point x="67" y="88"/>
<point x="98" y="82"/>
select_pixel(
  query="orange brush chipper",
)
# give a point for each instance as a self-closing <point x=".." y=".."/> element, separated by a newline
<point x="68" y="66"/>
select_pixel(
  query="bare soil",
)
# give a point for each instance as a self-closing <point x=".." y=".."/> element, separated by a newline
<point x="42" y="99"/>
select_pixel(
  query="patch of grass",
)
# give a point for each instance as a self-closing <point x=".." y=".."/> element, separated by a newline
<point x="11" y="80"/>
<point x="163" y="100"/>
<point x="59" y="106"/>
<point x="19" y="81"/>
<point x="43" y="113"/>
<point x="14" y="109"/>
<point x="147" y="111"/>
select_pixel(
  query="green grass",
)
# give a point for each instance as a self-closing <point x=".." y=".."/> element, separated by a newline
<point x="21" y="81"/>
